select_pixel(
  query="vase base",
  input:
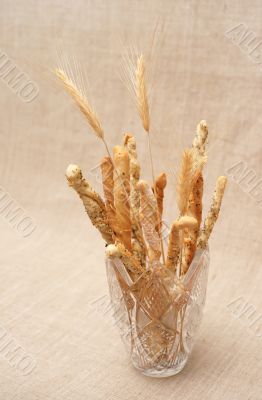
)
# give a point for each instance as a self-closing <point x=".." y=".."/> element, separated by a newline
<point x="164" y="372"/>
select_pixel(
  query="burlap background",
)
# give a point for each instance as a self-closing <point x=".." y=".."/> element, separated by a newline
<point x="51" y="280"/>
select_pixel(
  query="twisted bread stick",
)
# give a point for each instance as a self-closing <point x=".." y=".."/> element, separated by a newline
<point x="138" y="244"/>
<point x="173" y="247"/>
<point x="93" y="203"/>
<point x="148" y="219"/>
<point x="107" y="170"/>
<point x="121" y="196"/>
<point x="118" y="250"/>
<point x="199" y="141"/>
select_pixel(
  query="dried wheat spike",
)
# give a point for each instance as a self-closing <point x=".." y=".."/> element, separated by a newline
<point x="82" y="102"/>
<point x="141" y="92"/>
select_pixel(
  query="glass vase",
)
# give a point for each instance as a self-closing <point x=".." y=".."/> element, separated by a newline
<point x="158" y="314"/>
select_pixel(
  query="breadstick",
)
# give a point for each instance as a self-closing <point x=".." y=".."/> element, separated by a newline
<point x="121" y="196"/>
<point x="185" y="181"/>
<point x="195" y="200"/>
<point x="191" y="234"/>
<point x="107" y="171"/>
<point x="138" y="244"/>
<point x="201" y="137"/>
<point x="213" y="212"/>
<point x="187" y="224"/>
<point x="189" y="250"/>
<point x="148" y="219"/>
<point x="93" y="203"/>
<point x="118" y="250"/>
<point x="159" y="186"/>
<point x="173" y="247"/>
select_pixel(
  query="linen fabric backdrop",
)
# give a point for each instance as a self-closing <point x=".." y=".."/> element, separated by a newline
<point x="56" y="339"/>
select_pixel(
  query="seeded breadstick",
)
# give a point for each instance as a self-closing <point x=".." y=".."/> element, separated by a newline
<point x="121" y="196"/>
<point x="107" y="171"/>
<point x="148" y="219"/>
<point x="188" y="253"/>
<point x="201" y="137"/>
<point x="118" y="250"/>
<point x="195" y="200"/>
<point x="93" y="203"/>
<point x="194" y="210"/>
<point x="173" y="247"/>
<point x="185" y="180"/>
<point x="138" y="244"/>
<point x="187" y="224"/>
<point x="160" y="185"/>
<point x="213" y="212"/>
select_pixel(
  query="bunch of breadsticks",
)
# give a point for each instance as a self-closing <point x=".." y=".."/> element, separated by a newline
<point x="130" y="214"/>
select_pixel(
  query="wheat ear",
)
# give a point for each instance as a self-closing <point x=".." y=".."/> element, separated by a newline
<point x="141" y="93"/>
<point x="83" y="104"/>
<point x="143" y="110"/>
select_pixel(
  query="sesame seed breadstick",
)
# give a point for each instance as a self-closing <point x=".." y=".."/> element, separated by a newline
<point x="93" y="203"/>
<point x="107" y="171"/>
<point x="118" y="250"/>
<point x="187" y="225"/>
<point x="194" y="210"/>
<point x="138" y="244"/>
<point x="213" y="212"/>
<point x="121" y="196"/>
<point x="148" y="219"/>
<point x="173" y="247"/>
<point x="201" y="138"/>
<point x="185" y="181"/>
<point x="195" y="200"/>
<point x="189" y="250"/>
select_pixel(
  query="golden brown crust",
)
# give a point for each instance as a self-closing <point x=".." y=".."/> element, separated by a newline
<point x="121" y="196"/>
<point x="118" y="250"/>
<point x="213" y="212"/>
<point x="148" y="219"/>
<point x="159" y="186"/>
<point x="107" y="171"/>
<point x="138" y="244"/>
<point x="173" y="251"/>
<point x="93" y="203"/>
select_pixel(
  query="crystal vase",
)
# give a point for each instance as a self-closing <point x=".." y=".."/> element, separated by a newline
<point x="158" y="314"/>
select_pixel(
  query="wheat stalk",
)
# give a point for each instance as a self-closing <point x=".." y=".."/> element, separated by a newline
<point x="143" y="110"/>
